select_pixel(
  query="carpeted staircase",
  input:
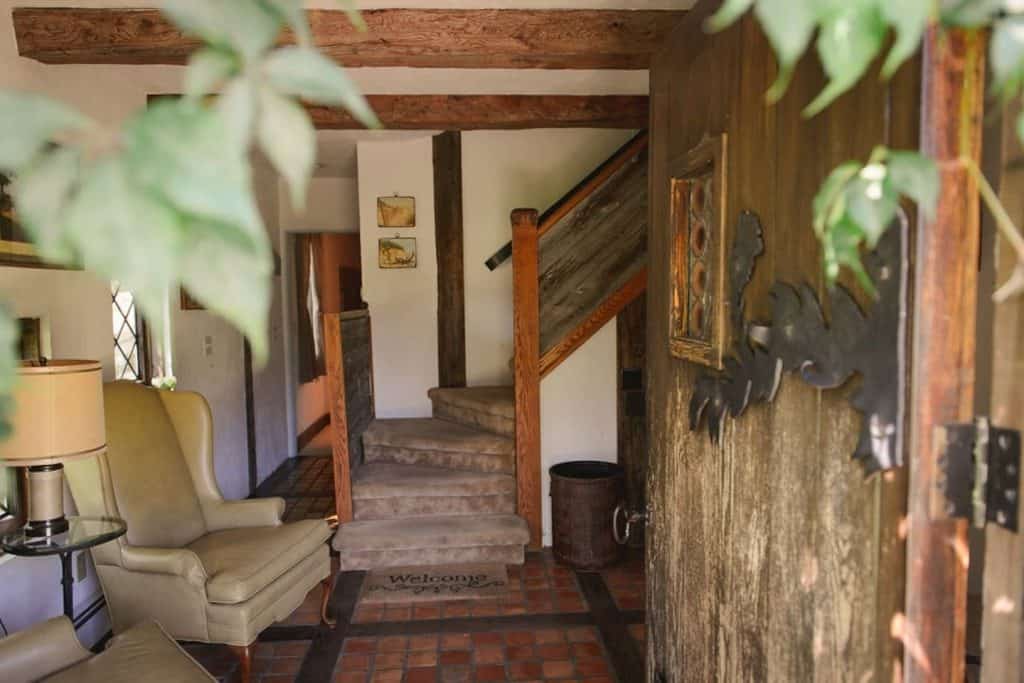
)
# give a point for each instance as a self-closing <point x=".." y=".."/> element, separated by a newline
<point x="438" y="490"/>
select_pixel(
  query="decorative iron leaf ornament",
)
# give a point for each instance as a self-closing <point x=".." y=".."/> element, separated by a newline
<point x="825" y="354"/>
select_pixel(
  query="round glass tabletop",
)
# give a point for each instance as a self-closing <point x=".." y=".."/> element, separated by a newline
<point x="83" y="532"/>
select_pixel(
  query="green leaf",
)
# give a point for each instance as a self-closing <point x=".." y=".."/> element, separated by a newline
<point x="350" y="8"/>
<point x="237" y="108"/>
<point x="909" y="18"/>
<point x="730" y="11"/>
<point x="970" y="13"/>
<point x="841" y="247"/>
<point x="41" y="194"/>
<point x="288" y="139"/>
<point x="245" y="26"/>
<point x="294" y="14"/>
<point x="304" y="72"/>
<point x="1007" y="55"/>
<point x="231" y="280"/>
<point x="871" y="204"/>
<point x="831" y="190"/>
<point x="207" y="69"/>
<point x="848" y="41"/>
<point x="123" y="233"/>
<point x="9" y="335"/>
<point x="186" y="154"/>
<point x="789" y="25"/>
<point x="917" y="177"/>
<point x="27" y="123"/>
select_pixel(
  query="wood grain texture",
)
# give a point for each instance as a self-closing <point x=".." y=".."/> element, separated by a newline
<point x="942" y="372"/>
<point x="631" y="343"/>
<point x="431" y="38"/>
<point x="607" y="309"/>
<point x="1002" y="629"/>
<point x="526" y="369"/>
<point x="334" y="352"/>
<point x="791" y="582"/>
<point x="451" y="295"/>
<point x="357" y="359"/>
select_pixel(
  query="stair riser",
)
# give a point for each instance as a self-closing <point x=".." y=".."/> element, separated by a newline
<point x="415" y="506"/>
<point x="469" y="462"/>
<point x="495" y="424"/>
<point x="424" y="557"/>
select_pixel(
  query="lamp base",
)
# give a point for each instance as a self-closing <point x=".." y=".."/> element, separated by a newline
<point x="46" y="501"/>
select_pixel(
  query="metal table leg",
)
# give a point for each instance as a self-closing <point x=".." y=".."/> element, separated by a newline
<point x="67" y="583"/>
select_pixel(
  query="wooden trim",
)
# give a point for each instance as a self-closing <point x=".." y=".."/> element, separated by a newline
<point x="451" y="286"/>
<point x="333" y="350"/>
<point x="942" y="372"/>
<point x="608" y="309"/>
<point x="310" y="432"/>
<point x="526" y="332"/>
<point x="595" y="180"/>
<point x="424" y="38"/>
<point x="250" y="417"/>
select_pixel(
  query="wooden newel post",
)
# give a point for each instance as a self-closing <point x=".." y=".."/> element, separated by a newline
<point x="526" y="335"/>
<point x="942" y="374"/>
<point x="339" y="420"/>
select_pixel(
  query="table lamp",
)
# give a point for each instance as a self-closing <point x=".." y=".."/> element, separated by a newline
<point x="58" y="416"/>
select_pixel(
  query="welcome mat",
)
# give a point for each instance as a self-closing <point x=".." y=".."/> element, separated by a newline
<point x="445" y="582"/>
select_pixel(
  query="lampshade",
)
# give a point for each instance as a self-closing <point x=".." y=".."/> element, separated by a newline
<point x="58" y="413"/>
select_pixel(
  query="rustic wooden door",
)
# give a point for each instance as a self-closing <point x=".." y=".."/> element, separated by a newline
<point x="770" y="556"/>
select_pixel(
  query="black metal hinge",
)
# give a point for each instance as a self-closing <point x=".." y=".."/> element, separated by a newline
<point x="980" y="473"/>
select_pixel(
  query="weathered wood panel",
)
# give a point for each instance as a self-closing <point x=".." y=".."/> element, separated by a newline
<point x="355" y="330"/>
<point x="592" y="251"/>
<point x="433" y="38"/>
<point x="451" y="295"/>
<point x="631" y="337"/>
<point x="769" y="554"/>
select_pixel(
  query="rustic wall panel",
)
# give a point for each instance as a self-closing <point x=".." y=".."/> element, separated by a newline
<point x="770" y="557"/>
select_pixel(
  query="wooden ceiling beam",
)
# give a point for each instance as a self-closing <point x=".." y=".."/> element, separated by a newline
<point x="438" y="38"/>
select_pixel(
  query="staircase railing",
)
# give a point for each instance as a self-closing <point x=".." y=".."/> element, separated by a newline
<point x="535" y="357"/>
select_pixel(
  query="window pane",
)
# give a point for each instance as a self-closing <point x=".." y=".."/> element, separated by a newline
<point x="126" y="331"/>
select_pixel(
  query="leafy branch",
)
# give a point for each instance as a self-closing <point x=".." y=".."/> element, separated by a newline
<point x="166" y="200"/>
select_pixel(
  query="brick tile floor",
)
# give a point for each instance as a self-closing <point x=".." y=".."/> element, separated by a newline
<point x="272" y="662"/>
<point x="626" y="582"/>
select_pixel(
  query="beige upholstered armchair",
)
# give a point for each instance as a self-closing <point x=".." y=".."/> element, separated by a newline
<point x="207" y="570"/>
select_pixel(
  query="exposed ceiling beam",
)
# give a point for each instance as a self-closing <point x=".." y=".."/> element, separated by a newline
<point x="472" y="39"/>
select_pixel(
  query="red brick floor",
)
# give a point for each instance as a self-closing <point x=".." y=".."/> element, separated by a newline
<point x="626" y="582"/>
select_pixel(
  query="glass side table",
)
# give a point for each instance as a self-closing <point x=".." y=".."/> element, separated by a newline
<point x="83" y="533"/>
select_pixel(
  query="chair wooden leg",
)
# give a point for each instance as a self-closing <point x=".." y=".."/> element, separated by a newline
<point x="244" y="654"/>
<point x="327" y="585"/>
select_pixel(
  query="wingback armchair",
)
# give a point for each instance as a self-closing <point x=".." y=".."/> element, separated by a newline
<point x="206" y="569"/>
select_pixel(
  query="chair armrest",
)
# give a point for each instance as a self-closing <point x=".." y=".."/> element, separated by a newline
<point x="237" y="514"/>
<point x="172" y="561"/>
<point x="40" y="651"/>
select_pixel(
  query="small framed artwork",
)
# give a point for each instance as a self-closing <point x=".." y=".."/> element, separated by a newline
<point x="396" y="212"/>
<point x="15" y="247"/>
<point x="188" y="303"/>
<point x="698" y="308"/>
<point x="396" y="252"/>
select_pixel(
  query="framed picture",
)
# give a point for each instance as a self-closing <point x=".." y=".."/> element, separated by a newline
<point x="698" y="315"/>
<point x="33" y="339"/>
<point x="188" y="303"/>
<point x="396" y="252"/>
<point x="396" y="212"/>
<point x="15" y="247"/>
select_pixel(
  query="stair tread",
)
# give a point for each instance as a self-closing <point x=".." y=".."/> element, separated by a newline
<point x="495" y="400"/>
<point x="429" y="433"/>
<point x="386" y="480"/>
<point x="432" y="533"/>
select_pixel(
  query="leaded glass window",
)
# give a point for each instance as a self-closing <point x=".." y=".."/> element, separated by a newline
<point x="129" y="336"/>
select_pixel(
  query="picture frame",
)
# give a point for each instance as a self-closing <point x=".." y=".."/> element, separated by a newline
<point x="15" y="247"/>
<point x="396" y="211"/>
<point x="698" y="307"/>
<point x="396" y="252"/>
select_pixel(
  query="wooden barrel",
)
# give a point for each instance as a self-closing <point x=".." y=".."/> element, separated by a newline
<point x="584" y="494"/>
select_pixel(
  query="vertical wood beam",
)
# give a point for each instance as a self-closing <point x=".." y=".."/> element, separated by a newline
<point x="942" y="374"/>
<point x="631" y="343"/>
<point x="250" y="416"/>
<point x="333" y="349"/>
<point x="526" y="334"/>
<point x="451" y="298"/>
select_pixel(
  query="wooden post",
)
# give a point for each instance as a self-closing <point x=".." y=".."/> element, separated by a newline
<point x="451" y="299"/>
<point x="942" y="374"/>
<point x="339" y="416"/>
<point x="526" y="302"/>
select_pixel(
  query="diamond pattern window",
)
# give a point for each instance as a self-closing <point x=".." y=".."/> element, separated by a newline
<point x="129" y="336"/>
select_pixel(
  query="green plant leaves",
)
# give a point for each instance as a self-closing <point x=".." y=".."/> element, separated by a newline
<point x="847" y="43"/>
<point x="789" y="25"/>
<point x="288" y="139"/>
<point x="909" y="18"/>
<point x="9" y="334"/>
<point x="730" y="11"/>
<point x="1006" y="55"/>
<point x="305" y="73"/>
<point x="207" y="69"/>
<point x="42" y="192"/>
<point x="857" y="203"/>
<point x="247" y="27"/>
<point x="27" y="123"/>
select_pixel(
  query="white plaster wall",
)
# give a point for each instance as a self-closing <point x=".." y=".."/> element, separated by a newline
<point x="332" y="205"/>
<point x="403" y="302"/>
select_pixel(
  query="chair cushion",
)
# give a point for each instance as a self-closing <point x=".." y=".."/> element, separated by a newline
<point x="242" y="562"/>
<point x="151" y="480"/>
<point x="142" y="653"/>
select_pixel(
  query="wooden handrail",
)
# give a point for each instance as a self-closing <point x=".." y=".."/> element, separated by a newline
<point x="333" y="353"/>
<point x="576" y="195"/>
